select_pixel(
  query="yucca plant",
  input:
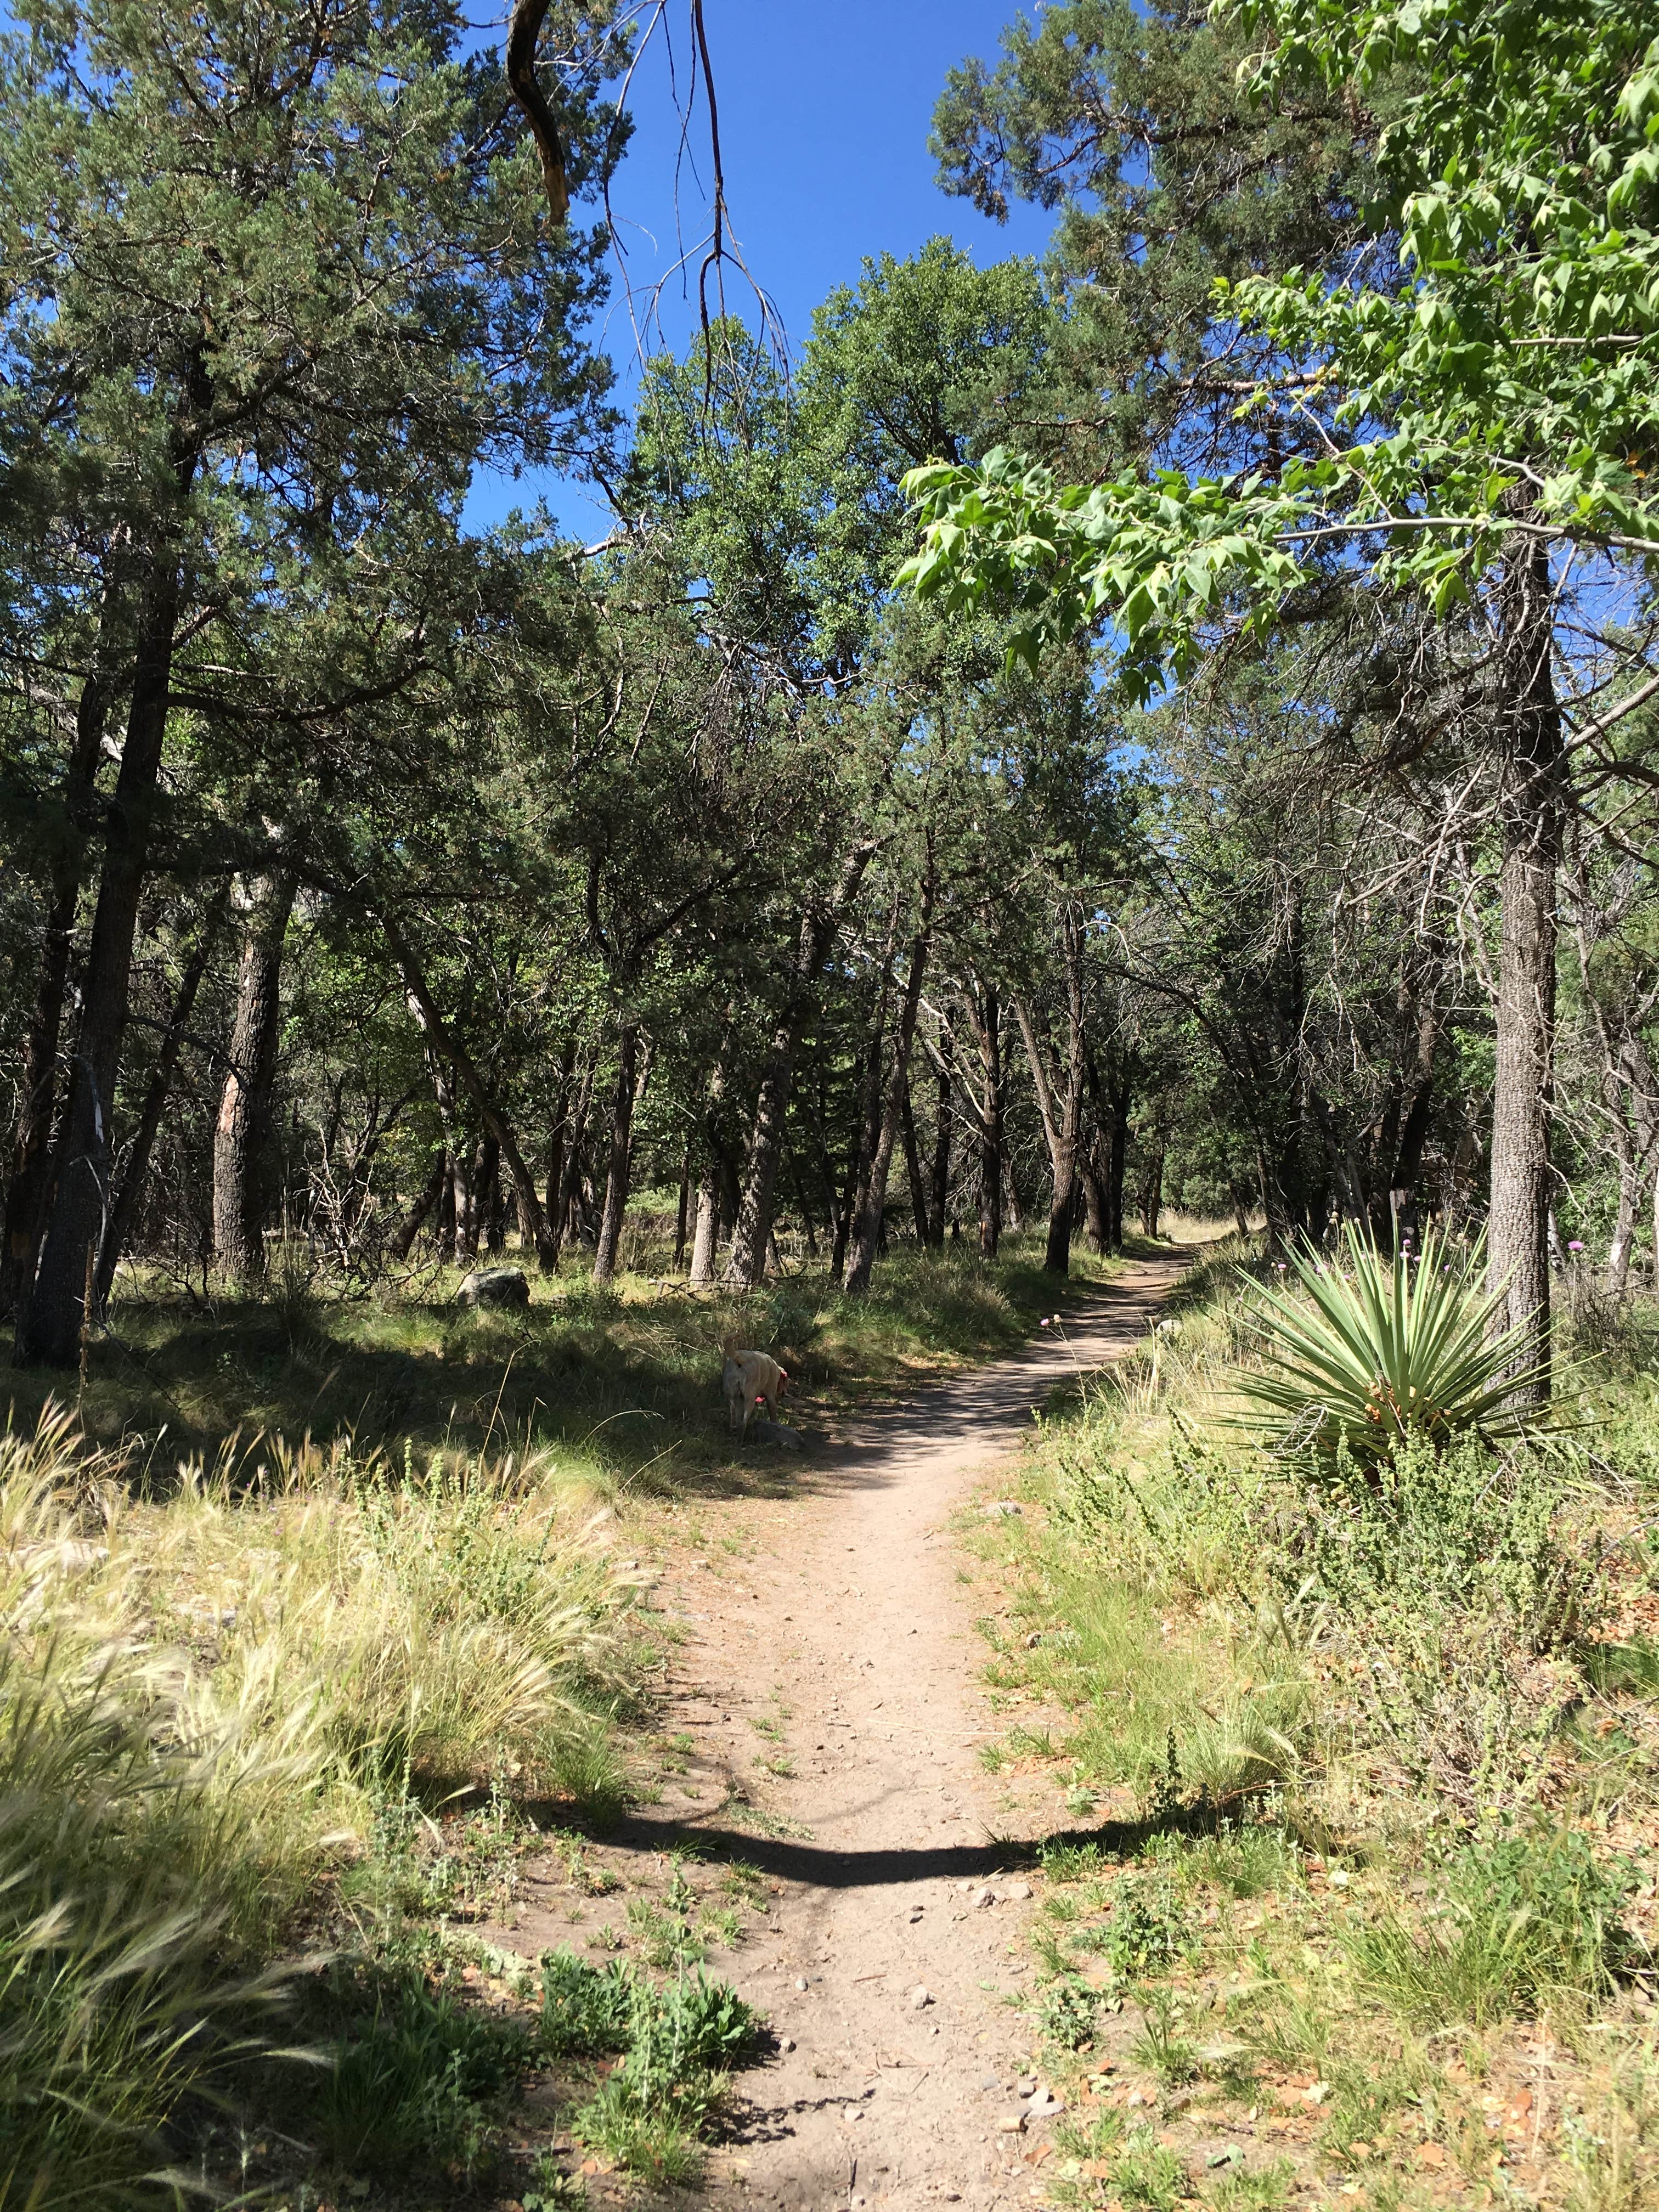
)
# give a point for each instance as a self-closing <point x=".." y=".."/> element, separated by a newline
<point x="1381" y="1348"/>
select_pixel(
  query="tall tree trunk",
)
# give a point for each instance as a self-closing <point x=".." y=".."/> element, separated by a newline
<point x="488" y="1178"/>
<point x="1529" y="802"/>
<point x="463" y="1245"/>
<point x="27" y="1187"/>
<point x="617" y="1169"/>
<point x="705" y="1231"/>
<point x="401" y="1243"/>
<point x="1152" y="1188"/>
<point x="943" y="1101"/>
<point x="682" y="1212"/>
<point x="135" y="1172"/>
<point x="832" y="1207"/>
<point x="50" y="1308"/>
<point x="242" y="1134"/>
<point x="866" y="1230"/>
<point x="558" y="1145"/>
<point x="1062" y="1113"/>
<point x="861" y="1165"/>
<point x="1118" y="1162"/>
<point x="570" y="1172"/>
<point x="533" y="1225"/>
<point x="753" y="1230"/>
<point x="987" y="1021"/>
<point x="913" y="1168"/>
<point x="1092" y="1172"/>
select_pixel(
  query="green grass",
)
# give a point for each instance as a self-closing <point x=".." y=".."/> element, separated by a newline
<point x="622" y="1384"/>
<point x="1378" y="1756"/>
<point x="259" y="1712"/>
<point x="1525" y="1920"/>
<point x="678" y="2041"/>
<point x="413" y="2076"/>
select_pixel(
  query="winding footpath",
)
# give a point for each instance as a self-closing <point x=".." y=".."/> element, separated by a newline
<point x="841" y="1640"/>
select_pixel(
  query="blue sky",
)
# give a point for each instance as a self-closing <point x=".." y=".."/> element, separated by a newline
<point x="825" y="108"/>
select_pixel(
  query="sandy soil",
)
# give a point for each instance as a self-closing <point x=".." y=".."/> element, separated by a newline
<point x="839" y="1641"/>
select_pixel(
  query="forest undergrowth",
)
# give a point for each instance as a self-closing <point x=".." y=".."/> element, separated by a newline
<point x="1372" y="1913"/>
<point x="621" y="1381"/>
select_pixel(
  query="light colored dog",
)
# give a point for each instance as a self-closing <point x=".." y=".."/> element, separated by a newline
<point x="751" y="1378"/>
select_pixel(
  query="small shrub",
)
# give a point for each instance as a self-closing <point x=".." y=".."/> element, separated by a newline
<point x="1067" y="2015"/>
<point x="1149" y="2174"/>
<point x="1263" y="2190"/>
<point x="678" y="2042"/>
<point x="585" y="2009"/>
<point x="1447" y="1527"/>
<point x="1146" y="1934"/>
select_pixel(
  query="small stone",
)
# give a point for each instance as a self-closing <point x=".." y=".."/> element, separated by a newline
<point x="801" y="1981"/>
<point x="1136" y="2097"/>
<point x="921" y="1998"/>
<point x="984" y="1897"/>
<point x="1024" y="2085"/>
<point x="853" y="2113"/>
<point x="787" y="2043"/>
<point x="1018" y="1891"/>
<point x="1000" y="1509"/>
<point x="915" y="1914"/>
<point x="1316" y="2091"/>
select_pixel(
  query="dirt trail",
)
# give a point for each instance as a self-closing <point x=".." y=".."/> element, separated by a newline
<point x="848" y="1631"/>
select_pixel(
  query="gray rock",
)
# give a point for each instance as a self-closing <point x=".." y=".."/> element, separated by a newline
<point x="1002" y="1509"/>
<point x="495" y="1286"/>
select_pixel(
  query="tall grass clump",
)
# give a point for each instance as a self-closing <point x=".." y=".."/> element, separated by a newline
<point x="1526" y="1921"/>
<point x="202" y="1700"/>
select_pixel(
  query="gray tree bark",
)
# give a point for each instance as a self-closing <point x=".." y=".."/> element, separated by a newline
<point x="27" y="1186"/>
<point x="241" y="1136"/>
<point x="51" y="1308"/>
<point x="867" y="1228"/>
<point x="623" y="1102"/>
<point x="1529" y="802"/>
<point x="118" y="1229"/>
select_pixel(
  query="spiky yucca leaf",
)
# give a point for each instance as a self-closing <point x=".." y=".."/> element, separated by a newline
<point x="1386" y="1348"/>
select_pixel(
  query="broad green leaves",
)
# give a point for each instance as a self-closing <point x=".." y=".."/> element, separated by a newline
<point x="1506" y="381"/>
